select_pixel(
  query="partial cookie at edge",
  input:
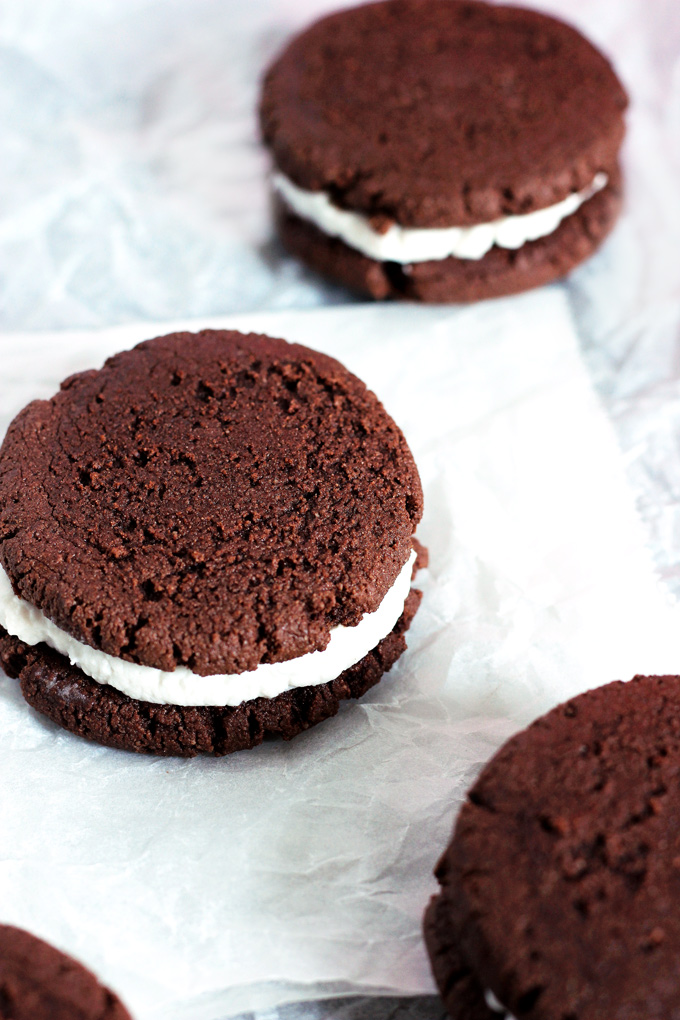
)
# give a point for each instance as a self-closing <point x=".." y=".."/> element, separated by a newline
<point x="100" y="713"/>
<point x="559" y="882"/>
<point x="38" y="982"/>
<point x="221" y="500"/>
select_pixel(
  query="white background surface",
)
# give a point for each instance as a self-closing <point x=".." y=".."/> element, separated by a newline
<point x="132" y="187"/>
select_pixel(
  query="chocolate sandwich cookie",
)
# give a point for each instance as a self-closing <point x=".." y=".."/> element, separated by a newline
<point x="560" y="887"/>
<point x="443" y="151"/>
<point x="37" y="982"/>
<point x="207" y="541"/>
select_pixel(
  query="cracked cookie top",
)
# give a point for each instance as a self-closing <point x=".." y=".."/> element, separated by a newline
<point x="434" y="114"/>
<point x="561" y="884"/>
<point x="211" y="500"/>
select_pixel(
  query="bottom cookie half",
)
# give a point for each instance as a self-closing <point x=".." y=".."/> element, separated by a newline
<point x="502" y="271"/>
<point x="100" y="713"/>
<point x="459" y="988"/>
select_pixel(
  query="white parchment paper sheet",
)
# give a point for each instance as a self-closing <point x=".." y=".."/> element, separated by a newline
<point x="132" y="186"/>
<point x="200" y="888"/>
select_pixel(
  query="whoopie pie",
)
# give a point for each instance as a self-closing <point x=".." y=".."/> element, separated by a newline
<point x="206" y="541"/>
<point x="443" y="150"/>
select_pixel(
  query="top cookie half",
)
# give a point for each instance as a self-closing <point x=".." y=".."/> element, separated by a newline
<point x="215" y="501"/>
<point x="435" y="113"/>
<point x="38" y="982"/>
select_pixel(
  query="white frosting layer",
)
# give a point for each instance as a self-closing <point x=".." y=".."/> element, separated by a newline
<point x="493" y="1003"/>
<point x="420" y="244"/>
<point x="347" y="645"/>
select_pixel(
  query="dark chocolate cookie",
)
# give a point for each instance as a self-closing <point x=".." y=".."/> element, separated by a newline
<point x="431" y="114"/>
<point x="561" y="883"/>
<point x="37" y="982"/>
<point x="213" y="502"/>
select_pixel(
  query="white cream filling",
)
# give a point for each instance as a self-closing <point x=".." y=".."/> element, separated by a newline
<point x="418" y="244"/>
<point x="493" y="1004"/>
<point x="347" y="645"/>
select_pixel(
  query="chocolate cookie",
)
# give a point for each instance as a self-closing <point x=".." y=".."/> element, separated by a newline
<point x="218" y="526"/>
<point x="443" y="151"/>
<point x="560" y="886"/>
<point x="37" y="982"/>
